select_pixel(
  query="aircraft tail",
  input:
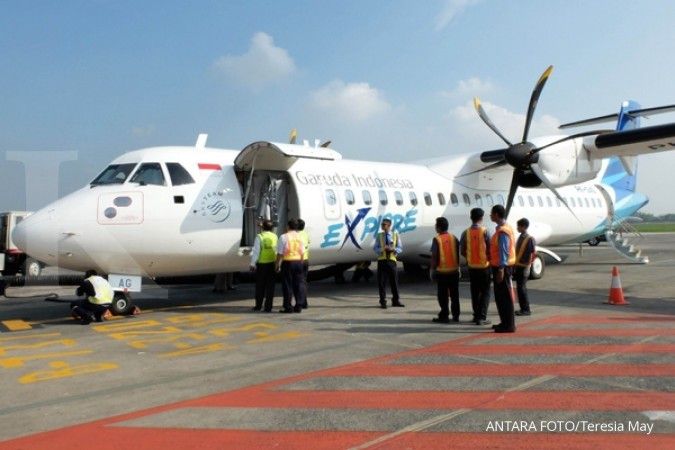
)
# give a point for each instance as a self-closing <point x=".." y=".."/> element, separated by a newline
<point x="621" y="172"/>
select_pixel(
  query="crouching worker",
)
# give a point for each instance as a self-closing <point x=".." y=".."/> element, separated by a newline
<point x="99" y="296"/>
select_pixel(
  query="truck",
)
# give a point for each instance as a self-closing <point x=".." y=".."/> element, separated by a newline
<point x="12" y="259"/>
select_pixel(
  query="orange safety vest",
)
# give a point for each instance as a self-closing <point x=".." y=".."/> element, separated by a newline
<point x="383" y="254"/>
<point x="494" y="246"/>
<point x="476" y="248"/>
<point x="294" y="247"/>
<point x="447" y="253"/>
<point x="521" y="252"/>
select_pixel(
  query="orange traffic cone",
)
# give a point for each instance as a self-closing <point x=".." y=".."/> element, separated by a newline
<point x="615" y="290"/>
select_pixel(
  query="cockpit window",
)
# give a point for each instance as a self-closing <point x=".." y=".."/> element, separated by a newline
<point x="178" y="174"/>
<point x="149" y="173"/>
<point x="114" y="174"/>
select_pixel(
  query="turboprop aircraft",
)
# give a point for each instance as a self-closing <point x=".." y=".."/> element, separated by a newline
<point x="170" y="211"/>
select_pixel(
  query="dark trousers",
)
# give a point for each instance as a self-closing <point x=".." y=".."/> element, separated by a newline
<point x="305" y="274"/>
<point x="448" y="283"/>
<point x="504" y="300"/>
<point x="264" y="285"/>
<point x="480" y="292"/>
<point x="85" y="308"/>
<point x="520" y="275"/>
<point x="386" y="272"/>
<point x="292" y="283"/>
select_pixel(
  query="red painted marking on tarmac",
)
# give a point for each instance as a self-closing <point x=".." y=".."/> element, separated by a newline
<point x="583" y="332"/>
<point x="122" y="438"/>
<point x="526" y="441"/>
<point x="504" y="370"/>
<point x="618" y="320"/>
<point x="547" y="349"/>
<point x="559" y="400"/>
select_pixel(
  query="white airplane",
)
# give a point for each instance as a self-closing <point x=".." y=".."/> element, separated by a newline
<point x="170" y="211"/>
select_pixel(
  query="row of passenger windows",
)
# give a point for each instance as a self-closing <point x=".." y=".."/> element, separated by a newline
<point x="147" y="173"/>
<point x="477" y="199"/>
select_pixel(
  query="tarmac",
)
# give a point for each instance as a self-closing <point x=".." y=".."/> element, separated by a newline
<point x="199" y="369"/>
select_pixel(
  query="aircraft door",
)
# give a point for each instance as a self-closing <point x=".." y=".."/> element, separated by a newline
<point x="266" y="198"/>
<point x="331" y="204"/>
<point x="609" y="203"/>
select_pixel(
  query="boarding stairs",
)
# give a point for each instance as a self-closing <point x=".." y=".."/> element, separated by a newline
<point x="624" y="238"/>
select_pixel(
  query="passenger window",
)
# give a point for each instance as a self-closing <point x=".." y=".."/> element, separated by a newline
<point x="114" y="174"/>
<point x="427" y="198"/>
<point x="399" y="198"/>
<point x="521" y="202"/>
<point x="383" y="198"/>
<point x="178" y="174"/>
<point x="453" y="200"/>
<point x="574" y="204"/>
<point x="479" y="200"/>
<point x="349" y="197"/>
<point x="557" y="202"/>
<point x="500" y="199"/>
<point x="530" y="200"/>
<point x="581" y="204"/>
<point x="549" y="202"/>
<point x="149" y="173"/>
<point x="467" y="199"/>
<point x="441" y="199"/>
<point x="540" y="201"/>
<point x="331" y="198"/>
<point x="413" y="198"/>
<point x="588" y="205"/>
<point x="489" y="200"/>
<point x="366" y="198"/>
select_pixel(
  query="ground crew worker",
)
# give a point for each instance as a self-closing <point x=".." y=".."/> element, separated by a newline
<point x="305" y="261"/>
<point x="263" y="257"/>
<point x="290" y="252"/>
<point x="474" y="246"/>
<point x="445" y="265"/>
<point x="99" y="296"/>
<point x="387" y="247"/>
<point x="525" y="253"/>
<point x="502" y="259"/>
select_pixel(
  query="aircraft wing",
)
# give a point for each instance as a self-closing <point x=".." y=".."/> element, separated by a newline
<point x="639" y="141"/>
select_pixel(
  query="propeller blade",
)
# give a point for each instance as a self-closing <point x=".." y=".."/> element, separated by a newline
<point x="572" y="136"/>
<point x="325" y="144"/>
<point x="540" y="173"/>
<point x="486" y="119"/>
<point x="293" y="136"/>
<point x="534" y="99"/>
<point x="512" y="190"/>
<point x="491" y="166"/>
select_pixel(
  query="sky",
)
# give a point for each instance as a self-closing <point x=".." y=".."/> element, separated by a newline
<point x="82" y="82"/>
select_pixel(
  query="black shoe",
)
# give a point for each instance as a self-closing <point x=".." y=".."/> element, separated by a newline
<point x="286" y="310"/>
<point x="267" y="310"/>
<point x="86" y="320"/>
<point x="440" y="320"/>
<point x="494" y="327"/>
<point x="505" y="330"/>
<point x="398" y="304"/>
<point x="523" y="313"/>
<point x="383" y="305"/>
<point x="256" y="308"/>
<point x="305" y="306"/>
<point x="455" y="320"/>
<point x="297" y="309"/>
<point x="482" y="322"/>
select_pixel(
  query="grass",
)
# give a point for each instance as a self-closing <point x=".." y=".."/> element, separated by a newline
<point x="655" y="227"/>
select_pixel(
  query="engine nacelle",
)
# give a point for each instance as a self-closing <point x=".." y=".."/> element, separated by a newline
<point x="567" y="163"/>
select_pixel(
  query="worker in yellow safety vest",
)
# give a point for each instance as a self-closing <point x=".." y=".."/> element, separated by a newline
<point x="263" y="257"/>
<point x="502" y="259"/>
<point x="525" y="254"/>
<point x="305" y="259"/>
<point x="290" y="253"/>
<point x="445" y="267"/>
<point x="387" y="247"/>
<point x="474" y="246"/>
<point x="99" y="296"/>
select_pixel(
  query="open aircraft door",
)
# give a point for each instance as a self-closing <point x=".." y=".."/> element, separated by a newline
<point x="269" y="191"/>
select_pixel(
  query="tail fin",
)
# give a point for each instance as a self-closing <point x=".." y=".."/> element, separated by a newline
<point x="621" y="172"/>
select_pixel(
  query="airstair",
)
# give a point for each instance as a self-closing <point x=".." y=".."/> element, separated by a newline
<point x="625" y="238"/>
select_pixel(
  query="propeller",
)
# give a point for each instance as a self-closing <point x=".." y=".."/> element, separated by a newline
<point x="293" y="136"/>
<point x="523" y="156"/>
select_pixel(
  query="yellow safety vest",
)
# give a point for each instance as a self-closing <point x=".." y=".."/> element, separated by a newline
<point x="521" y="252"/>
<point x="476" y="248"/>
<point x="447" y="253"/>
<point x="104" y="292"/>
<point x="268" y="247"/>
<point x="294" y="247"/>
<point x="305" y="241"/>
<point x="383" y="253"/>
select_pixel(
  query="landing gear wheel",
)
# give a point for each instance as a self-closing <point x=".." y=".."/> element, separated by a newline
<point x="121" y="304"/>
<point x="32" y="268"/>
<point x="537" y="268"/>
<point x="593" y="241"/>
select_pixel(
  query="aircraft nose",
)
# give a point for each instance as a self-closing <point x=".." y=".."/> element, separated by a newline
<point x="19" y="234"/>
<point x="35" y="235"/>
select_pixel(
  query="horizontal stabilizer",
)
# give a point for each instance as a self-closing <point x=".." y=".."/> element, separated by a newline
<point x="646" y="112"/>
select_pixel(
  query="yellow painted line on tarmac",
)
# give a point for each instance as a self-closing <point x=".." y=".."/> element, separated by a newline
<point x="16" y="325"/>
<point x="28" y="336"/>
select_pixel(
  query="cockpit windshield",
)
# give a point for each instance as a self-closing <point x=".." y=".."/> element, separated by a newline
<point x="114" y="174"/>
